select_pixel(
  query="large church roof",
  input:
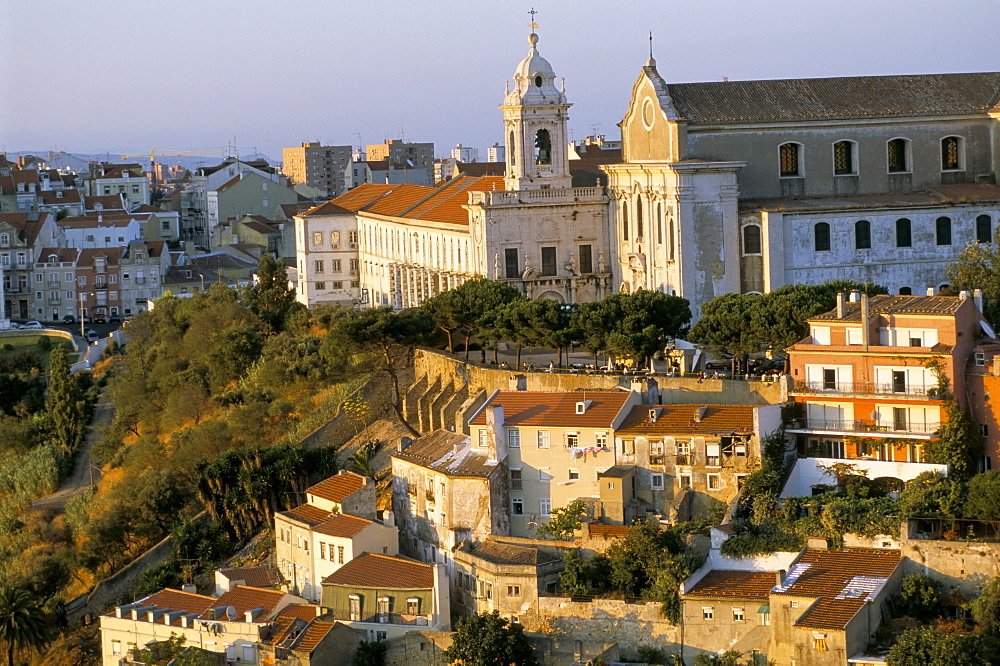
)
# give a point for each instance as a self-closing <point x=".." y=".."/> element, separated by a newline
<point x="840" y="98"/>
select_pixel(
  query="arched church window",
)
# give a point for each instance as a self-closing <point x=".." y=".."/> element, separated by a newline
<point x="670" y="238"/>
<point x="638" y="218"/>
<point x="751" y="239"/>
<point x="543" y="147"/>
<point x="625" y="220"/>
<point x="538" y="81"/>
<point x="659" y="224"/>
<point x="511" y="148"/>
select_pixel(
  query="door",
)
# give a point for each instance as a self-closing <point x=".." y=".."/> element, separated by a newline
<point x="899" y="381"/>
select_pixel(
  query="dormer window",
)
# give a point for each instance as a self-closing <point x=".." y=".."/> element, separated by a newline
<point x="581" y="406"/>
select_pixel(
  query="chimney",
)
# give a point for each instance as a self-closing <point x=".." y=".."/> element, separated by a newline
<point x="865" y="331"/>
<point x="854" y="297"/>
<point x="190" y="588"/>
<point x="963" y="295"/>
<point x="779" y="577"/>
<point x="840" y="305"/>
<point x="977" y="296"/>
<point x="817" y="543"/>
<point x="930" y="291"/>
<point x="699" y="413"/>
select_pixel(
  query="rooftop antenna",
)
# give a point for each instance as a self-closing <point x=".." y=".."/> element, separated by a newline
<point x="650" y="44"/>
<point x="533" y="25"/>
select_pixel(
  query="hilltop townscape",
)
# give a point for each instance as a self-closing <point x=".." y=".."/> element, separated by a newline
<point x="716" y="391"/>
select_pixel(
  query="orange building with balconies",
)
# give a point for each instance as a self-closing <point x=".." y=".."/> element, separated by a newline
<point x="866" y="375"/>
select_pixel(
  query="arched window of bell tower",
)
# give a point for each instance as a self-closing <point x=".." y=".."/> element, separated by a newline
<point x="512" y="148"/>
<point x="638" y="218"/>
<point x="543" y="147"/>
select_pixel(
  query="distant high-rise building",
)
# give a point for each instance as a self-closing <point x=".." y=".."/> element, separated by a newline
<point x="496" y="153"/>
<point x="400" y="152"/>
<point x="465" y="154"/>
<point x="318" y="166"/>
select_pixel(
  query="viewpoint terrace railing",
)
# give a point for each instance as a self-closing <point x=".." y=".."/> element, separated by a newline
<point x="867" y="388"/>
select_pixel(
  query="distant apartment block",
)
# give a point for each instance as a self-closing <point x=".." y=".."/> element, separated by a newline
<point x="397" y="151"/>
<point x="465" y="153"/>
<point x="496" y="153"/>
<point x="318" y="166"/>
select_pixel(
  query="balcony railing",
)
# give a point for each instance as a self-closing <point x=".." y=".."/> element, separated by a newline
<point x="867" y="388"/>
<point x="684" y="459"/>
<point x="655" y="458"/>
<point x="861" y="425"/>
<point x="516" y="484"/>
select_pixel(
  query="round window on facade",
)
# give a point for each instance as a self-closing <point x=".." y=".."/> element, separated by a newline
<point x="538" y="81"/>
<point x="647" y="113"/>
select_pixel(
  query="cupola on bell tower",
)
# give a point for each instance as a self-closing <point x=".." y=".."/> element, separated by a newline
<point x="535" y="115"/>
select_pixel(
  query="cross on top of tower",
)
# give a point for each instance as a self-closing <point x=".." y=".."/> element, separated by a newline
<point x="532" y="25"/>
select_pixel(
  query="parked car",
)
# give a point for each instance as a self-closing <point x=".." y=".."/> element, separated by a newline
<point x="92" y="336"/>
<point x="114" y="319"/>
<point x="69" y="319"/>
<point x="32" y="324"/>
<point x="100" y="319"/>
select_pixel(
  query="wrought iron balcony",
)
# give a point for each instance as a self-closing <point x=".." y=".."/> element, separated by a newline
<point x="867" y="388"/>
<point x="864" y="426"/>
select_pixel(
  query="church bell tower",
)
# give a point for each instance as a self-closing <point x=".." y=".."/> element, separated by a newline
<point x="535" y="116"/>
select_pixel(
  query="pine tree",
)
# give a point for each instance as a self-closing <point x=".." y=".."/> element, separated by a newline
<point x="63" y="403"/>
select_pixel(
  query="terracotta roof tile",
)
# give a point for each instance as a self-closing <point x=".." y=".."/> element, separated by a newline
<point x="448" y="453"/>
<point x="754" y="585"/>
<point x="307" y="513"/>
<point x="941" y="306"/>
<point x="679" y="419"/>
<point x="338" y="487"/>
<point x="600" y="529"/>
<point x="398" y="200"/>
<point x="177" y="600"/>
<point x="447" y="203"/>
<point x="558" y="410"/>
<point x="252" y="576"/>
<point x="500" y="552"/>
<point x="63" y="253"/>
<point x="314" y="633"/>
<point x="301" y="611"/>
<point x="111" y="255"/>
<point x="839" y="98"/>
<point x="57" y="197"/>
<point x="28" y="225"/>
<point x="244" y="598"/>
<point x="342" y="525"/>
<point x="842" y="579"/>
<point x="383" y="572"/>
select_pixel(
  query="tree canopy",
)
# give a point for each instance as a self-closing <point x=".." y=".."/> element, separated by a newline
<point x="487" y="639"/>
<point x="632" y="326"/>
<point x="925" y="645"/>
<point x="978" y="267"/>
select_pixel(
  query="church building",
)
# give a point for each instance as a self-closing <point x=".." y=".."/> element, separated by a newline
<point x="745" y="186"/>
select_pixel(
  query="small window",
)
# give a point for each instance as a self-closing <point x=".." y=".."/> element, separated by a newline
<point x="843" y="158"/>
<point x="321" y="286"/>
<point x="951" y="153"/>
<point x="513" y="590"/>
<point x="340" y="554"/>
<point x="483" y="438"/>
<point x="517" y="506"/>
<point x="548" y="261"/>
<point x="903" y="233"/>
<point x="516" y="481"/>
<point x="862" y="235"/>
<point x="980" y="358"/>
<point x="684" y="480"/>
<point x="511" y="263"/>
<point x="819" y="643"/>
<point x="707" y="612"/>
<point x="656" y="482"/>
<point x="574" y="474"/>
<point x="572" y="439"/>
<point x="545" y="507"/>
<point x="942" y="228"/>
<point x="751" y="239"/>
<point x="639" y="231"/>
<point x="821" y="237"/>
<point x="788" y="158"/>
<point x="738" y="615"/>
<point x="317" y="238"/>
<point x="586" y="259"/>
<point x="897" y="156"/>
<point x="543" y="439"/>
<point x="625" y="220"/>
<point x="714" y="482"/>
<point x="318" y="266"/>
<point x="514" y="439"/>
<point x="413" y="606"/>
<point x="905" y="291"/>
<point x="984" y="229"/>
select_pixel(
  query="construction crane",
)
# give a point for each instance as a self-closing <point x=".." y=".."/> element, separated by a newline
<point x="154" y="153"/>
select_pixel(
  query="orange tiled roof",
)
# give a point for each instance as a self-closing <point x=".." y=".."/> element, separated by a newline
<point x="679" y="419"/>
<point x="754" y="585"/>
<point x="383" y="572"/>
<point x="398" y="200"/>
<point x="842" y="580"/>
<point x="351" y="201"/>
<point x="177" y="600"/>
<point x="338" y="487"/>
<point x="448" y="453"/>
<point x="63" y="254"/>
<point x="447" y="203"/>
<point x="552" y="409"/>
<point x="501" y="552"/>
<point x="599" y="529"/>
<point x="307" y="513"/>
<point x="944" y="306"/>
<point x="244" y="598"/>
<point x="252" y="576"/>
<point x="111" y="255"/>
<point x="342" y="525"/>
<point x="314" y="633"/>
<point x="27" y="224"/>
<point x="301" y="611"/>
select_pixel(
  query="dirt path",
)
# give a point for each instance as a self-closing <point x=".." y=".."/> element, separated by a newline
<point x="80" y="478"/>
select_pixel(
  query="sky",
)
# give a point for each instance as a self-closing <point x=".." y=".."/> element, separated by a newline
<point x="128" y="76"/>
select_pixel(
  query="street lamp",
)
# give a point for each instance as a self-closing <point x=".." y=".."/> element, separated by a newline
<point x="82" y="297"/>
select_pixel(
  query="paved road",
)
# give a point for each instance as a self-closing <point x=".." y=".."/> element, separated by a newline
<point x="79" y="480"/>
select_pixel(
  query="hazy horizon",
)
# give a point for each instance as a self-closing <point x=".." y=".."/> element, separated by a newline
<point x="124" y="77"/>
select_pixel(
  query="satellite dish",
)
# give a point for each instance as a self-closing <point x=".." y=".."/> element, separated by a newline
<point x="231" y="612"/>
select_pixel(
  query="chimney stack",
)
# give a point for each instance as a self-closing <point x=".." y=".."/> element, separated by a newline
<point x="977" y="296"/>
<point x="779" y="577"/>
<point x="930" y="291"/>
<point x="853" y="298"/>
<point x="865" y="331"/>
<point x="840" y="305"/>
